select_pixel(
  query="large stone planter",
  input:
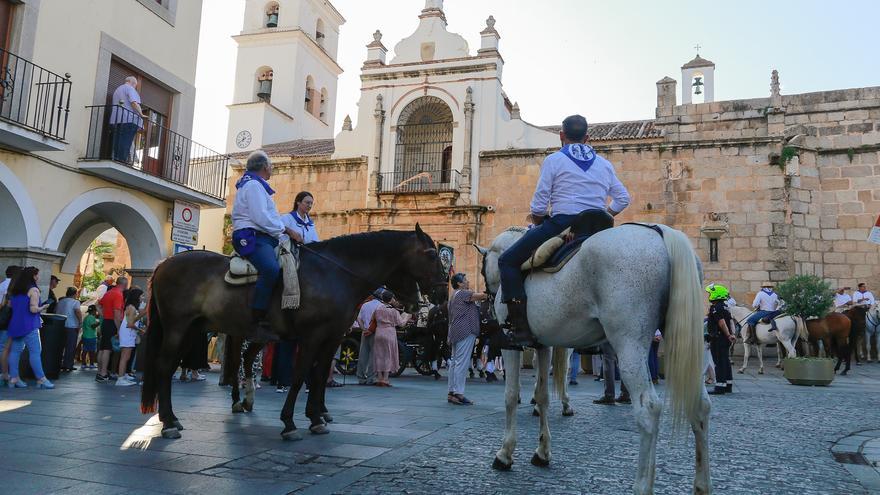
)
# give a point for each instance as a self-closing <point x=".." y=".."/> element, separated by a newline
<point x="809" y="371"/>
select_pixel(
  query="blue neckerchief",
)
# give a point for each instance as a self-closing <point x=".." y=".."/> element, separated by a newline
<point x="582" y="155"/>
<point x="769" y="292"/>
<point x="249" y="176"/>
<point x="302" y="223"/>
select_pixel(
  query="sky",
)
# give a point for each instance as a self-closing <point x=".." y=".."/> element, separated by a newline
<point x="597" y="58"/>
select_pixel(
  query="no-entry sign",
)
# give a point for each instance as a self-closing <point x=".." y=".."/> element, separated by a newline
<point x="186" y="216"/>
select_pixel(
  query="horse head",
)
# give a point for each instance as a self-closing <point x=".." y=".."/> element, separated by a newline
<point x="490" y="271"/>
<point x="420" y="272"/>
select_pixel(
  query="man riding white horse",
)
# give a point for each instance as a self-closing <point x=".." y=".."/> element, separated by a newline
<point x="767" y="307"/>
<point x="257" y="229"/>
<point x="573" y="180"/>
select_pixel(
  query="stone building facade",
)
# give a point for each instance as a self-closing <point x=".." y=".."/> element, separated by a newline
<point x="766" y="188"/>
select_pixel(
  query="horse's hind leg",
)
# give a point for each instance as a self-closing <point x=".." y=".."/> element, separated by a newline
<point x="745" y="352"/>
<point x="567" y="410"/>
<point x="700" y="425"/>
<point x="760" y="353"/>
<point x="166" y="366"/>
<point x="231" y="366"/>
<point x="512" y="365"/>
<point x="542" y="397"/>
<point x="646" y="405"/>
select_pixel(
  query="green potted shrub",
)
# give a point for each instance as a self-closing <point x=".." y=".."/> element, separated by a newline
<point x="807" y="296"/>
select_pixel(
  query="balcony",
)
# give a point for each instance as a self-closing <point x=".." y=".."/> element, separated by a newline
<point x="34" y="105"/>
<point x="142" y="154"/>
<point x="419" y="181"/>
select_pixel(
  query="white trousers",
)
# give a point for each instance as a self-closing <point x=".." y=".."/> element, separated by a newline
<point x="459" y="362"/>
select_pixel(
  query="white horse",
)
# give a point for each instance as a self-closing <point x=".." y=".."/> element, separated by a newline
<point x="619" y="287"/>
<point x="786" y="335"/>
<point x="872" y="331"/>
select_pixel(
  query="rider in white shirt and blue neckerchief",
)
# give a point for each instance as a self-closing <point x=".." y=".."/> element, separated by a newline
<point x="299" y="220"/>
<point x="256" y="231"/>
<point x="863" y="296"/>
<point x="573" y="180"/>
<point x="766" y="305"/>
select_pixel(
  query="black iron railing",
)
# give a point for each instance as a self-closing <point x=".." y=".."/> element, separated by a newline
<point x="443" y="180"/>
<point x="118" y="134"/>
<point x="33" y="97"/>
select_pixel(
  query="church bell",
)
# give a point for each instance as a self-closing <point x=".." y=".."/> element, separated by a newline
<point x="698" y="85"/>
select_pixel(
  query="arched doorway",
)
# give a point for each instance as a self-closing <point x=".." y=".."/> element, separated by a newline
<point x="19" y="224"/>
<point x="423" y="148"/>
<point x="96" y="211"/>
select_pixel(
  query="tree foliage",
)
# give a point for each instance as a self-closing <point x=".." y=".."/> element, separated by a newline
<point x="806" y="296"/>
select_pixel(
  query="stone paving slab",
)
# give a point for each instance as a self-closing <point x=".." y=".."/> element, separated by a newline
<point x="768" y="437"/>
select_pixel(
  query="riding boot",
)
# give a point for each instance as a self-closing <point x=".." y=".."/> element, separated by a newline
<point x="728" y="389"/>
<point x="518" y="319"/>
<point x="263" y="333"/>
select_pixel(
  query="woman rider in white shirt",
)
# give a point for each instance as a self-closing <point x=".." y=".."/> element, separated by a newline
<point x="299" y="220"/>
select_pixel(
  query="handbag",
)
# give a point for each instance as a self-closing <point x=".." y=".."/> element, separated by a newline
<point x="114" y="342"/>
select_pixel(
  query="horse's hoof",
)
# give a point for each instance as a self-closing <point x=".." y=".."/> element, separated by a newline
<point x="327" y="417"/>
<point x="499" y="465"/>
<point x="247" y="406"/>
<point x="291" y="435"/>
<point x="533" y="401"/>
<point x="568" y="412"/>
<point x="171" y="433"/>
<point x="237" y="408"/>
<point x="843" y="373"/>
<point x="537" y="461"/>
<point x="779" y="366"/>
<point x="741" y="371"/>
<point x="319" y="429"/>
<point x="535" y="413"/>
<point x="761" y="372"/>
<point x="178" y="425"/>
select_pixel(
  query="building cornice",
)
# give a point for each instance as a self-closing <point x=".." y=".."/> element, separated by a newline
<point x="261" y="103"/>
<point x="384" y="75"/>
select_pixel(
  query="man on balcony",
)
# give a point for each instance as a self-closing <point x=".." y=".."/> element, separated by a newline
<point x="126" y="117"/>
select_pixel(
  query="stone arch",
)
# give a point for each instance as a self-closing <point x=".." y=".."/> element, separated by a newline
<point x="19" y="221"/>
<point x="96" y="211"/>
<point x="423" y="144"/>
<point x="310" y="102"/>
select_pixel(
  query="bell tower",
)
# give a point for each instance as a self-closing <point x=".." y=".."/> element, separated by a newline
<point x="698" y="80"/>
<point x="286" y="73"/>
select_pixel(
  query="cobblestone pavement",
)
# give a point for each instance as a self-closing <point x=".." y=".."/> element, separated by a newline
<point x="768" y="437"/>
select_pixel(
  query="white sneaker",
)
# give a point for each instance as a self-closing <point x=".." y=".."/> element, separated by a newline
<point x="198" y="377"/>
<point x="124" y="382"/>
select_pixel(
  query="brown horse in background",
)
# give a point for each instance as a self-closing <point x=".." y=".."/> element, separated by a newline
<point x="833" y="330"/>
<point x="858" y="315"/>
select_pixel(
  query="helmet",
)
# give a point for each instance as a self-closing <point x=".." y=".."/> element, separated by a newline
<point x="717" y="292"/>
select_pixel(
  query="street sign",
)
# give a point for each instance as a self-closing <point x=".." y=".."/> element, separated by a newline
<point x="186" y="216"/>
<point x="184" y="236"/>
<point x="874" y="236"/>
<point x="179" y="248"/>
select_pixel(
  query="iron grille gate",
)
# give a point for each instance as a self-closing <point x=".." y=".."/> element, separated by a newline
<point x="423" y="159"/>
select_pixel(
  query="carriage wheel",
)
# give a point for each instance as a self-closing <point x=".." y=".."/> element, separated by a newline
<point x="348" y="356"/>
<point x="405" y="355"/>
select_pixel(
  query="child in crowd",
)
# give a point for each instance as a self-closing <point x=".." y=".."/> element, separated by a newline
<point x="90" y="337"/>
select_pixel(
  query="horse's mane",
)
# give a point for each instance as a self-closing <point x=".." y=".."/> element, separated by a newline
<point x="379" y="241"/>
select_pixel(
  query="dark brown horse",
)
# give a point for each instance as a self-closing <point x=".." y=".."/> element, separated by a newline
<point x="188" y="294"/>
<point x="858" y="316"/>
<point x="833" y="330"/>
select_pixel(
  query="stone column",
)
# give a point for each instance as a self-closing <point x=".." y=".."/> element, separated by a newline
<point x="379" y="115"/>
<point x="139" y="277"/>
<point x="43" y="259"/>
<point x="468" y="144"/>
<point x="665" y="96"/>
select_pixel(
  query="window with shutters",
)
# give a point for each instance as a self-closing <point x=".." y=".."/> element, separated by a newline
<point x="7" y="9"/>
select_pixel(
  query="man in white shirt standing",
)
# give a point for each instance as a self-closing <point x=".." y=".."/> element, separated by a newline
<point x="766" y="305"/>
<point x="256" y="230"/>
<point x="842" y="300"/>
<point x="126" y="117"/>
<point x="573" y="180"/>
<point x="365" y="373"/>
<point x="11" y="271"/>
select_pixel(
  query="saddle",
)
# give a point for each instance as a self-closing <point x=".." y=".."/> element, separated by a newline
<point x="551" y="256"/>
<point x="243" y="272"/>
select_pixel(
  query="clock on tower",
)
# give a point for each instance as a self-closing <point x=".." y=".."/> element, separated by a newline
<point x="243" y="139"/>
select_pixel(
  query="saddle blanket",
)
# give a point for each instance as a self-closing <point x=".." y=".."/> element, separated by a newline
<point x="242" y="272"/>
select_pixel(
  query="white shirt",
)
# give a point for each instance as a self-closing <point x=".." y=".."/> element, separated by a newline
<point x="310" y="234"/>
<point x="254" y="209"/>
<point x="730" y="302"/>
<point x="863" y="298"/>
<point x="4" y="287"/>
<point x="841" y="299"/>
<point x="568" y="190"/>
<point x="123" y="97"/>
<point x="766" y="302"/>
<point x="366" y="313"/>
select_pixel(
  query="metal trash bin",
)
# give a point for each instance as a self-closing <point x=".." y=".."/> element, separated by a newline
<point x="53" y="338"/>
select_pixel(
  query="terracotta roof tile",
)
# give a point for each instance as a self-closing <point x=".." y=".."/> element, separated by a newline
<point x="296" y="148"/>
<point x="616" y="131"/>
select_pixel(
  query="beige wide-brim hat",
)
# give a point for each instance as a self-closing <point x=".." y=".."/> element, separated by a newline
<point x="767" y="284"/>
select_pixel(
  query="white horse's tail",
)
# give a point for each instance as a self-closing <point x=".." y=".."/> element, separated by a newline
<point x="684" y="329"/>
<point x="560" y="370"/>
<point x="801" y="326"/>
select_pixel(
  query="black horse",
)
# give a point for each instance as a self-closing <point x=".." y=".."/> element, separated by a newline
<point x="188" y="294"/>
